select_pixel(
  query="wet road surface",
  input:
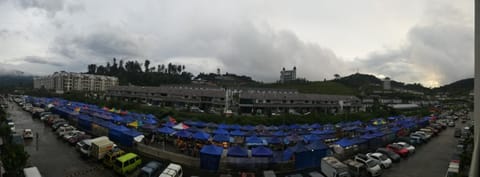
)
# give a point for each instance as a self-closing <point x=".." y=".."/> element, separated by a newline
<point x="54" y="157"/>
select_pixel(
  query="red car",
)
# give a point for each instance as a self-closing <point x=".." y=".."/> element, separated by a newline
<point x="403" y="152"/>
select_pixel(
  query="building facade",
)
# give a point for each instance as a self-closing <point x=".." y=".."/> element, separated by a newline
<point x="288" y="75"/>
<point x="238" y="100"/>
<point x="61" y="82"/>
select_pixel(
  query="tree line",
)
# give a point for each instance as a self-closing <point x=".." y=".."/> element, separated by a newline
<point x="136" y="73"/>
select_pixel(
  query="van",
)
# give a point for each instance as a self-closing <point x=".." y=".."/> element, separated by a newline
<point x="31" y="172"/>
<point x="99" y="148"/>
<point x="172" y="170"/>
<point x="126" y="163"/>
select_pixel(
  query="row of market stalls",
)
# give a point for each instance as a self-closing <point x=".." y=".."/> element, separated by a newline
<point x="240" y="146"/>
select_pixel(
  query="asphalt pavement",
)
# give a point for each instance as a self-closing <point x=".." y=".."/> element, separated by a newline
<point x="53" y="156"/>
<point x="430" y="159"/>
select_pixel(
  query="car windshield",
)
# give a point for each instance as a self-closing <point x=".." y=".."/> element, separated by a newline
<point x="371" y="163"/>
<point x="382" y="157"/>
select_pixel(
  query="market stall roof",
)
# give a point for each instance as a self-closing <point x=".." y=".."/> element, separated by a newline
<point x="212" y="150"/>
<point x="165" y="130"/>
<point x="221" y="138"/>
<point x="220" y="132"/>
<point x="262" y="151"/>
<point x="237" y="151"/>
<point x="183" y="134"/>
<point x="200" y="135"/>
<point x="237" y="133"/>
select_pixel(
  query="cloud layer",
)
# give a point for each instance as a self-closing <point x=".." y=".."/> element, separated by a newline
<point x="432" y="45"/>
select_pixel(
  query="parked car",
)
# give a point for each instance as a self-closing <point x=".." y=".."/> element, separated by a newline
<point x="425" y="137"/>
<point x="71" y="134"/>
<point x="59" y="124"/>
<point x="458" y="133"/>
<point x="27" y="134"/>
<point x="172" y="170"/>
<point x="410" y="148"/>
<point x="390" y="154"/>
<point x="73" y="140"/>
<point x="151" y="169"/>
<point x="372" y="166"/>
<point x="403" y="152"/>
<point x="416" y="139"/>
<point x="126" y="163"/>
<point x="64" y="130"/>
<point x="381" y="159"/>
<point x="451" y="123"/>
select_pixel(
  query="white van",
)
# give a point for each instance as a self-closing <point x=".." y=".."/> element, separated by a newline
<point x="31" y="172"/>
<point x="172" y="170"/>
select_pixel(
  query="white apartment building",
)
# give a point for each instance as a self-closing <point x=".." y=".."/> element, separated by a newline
<point x="61" y="82"/>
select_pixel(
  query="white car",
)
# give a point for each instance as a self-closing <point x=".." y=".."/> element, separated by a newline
<point x="64" y="130"/>
<point x="27" y="134"/>
<point x="381" y="159"/>
<point x="411" y="149"/>
<point x="12" y="126"/>
<point x="73" y="133"/>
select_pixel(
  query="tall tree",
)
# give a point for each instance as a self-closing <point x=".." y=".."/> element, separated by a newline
<point x="120" y="66"/>
<point x="147" y="63"/>
<point x="92" y="69"/>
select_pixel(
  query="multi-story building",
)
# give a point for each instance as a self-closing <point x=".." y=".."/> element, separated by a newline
<point x="61" y="82"/>
<point x="238" y="100"/>
<point x="288" y="75"/>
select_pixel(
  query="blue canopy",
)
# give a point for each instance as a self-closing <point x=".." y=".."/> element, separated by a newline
<point x="201" y="124"/>
<point x="169" y="124"/>
<point x="212" y="150"/>
<point x="221" y="138"/>
<point x="350" y="128"/>
<point x="237" y="151"/>
<point x="294" y="138"/>
<point x="200" y="135"/>
<point x="212" y="125"/>
<point x="368" y="136"/>
<point x="223" y="126"/>
<point x="254" y="140"/>
<point x="194" y="129"/>
<point x="323" y="132"/>
<point x="237" y="133"/>
<point x="165" y="130"/>
<point x="248" y="128"/>
<point x="272" y="127"/>
<point x="370" y="128"/>
<point x="262" y="151"/>
<point x="220" y="132"/>
<point x="183" y="134"/>
<point x="274" y="140"/>
<point x="235" y="127"/>
<point x="311" y="137"/>
<point x="317" y="145"/>
<point x="345" y="142"/>
<point x="294" y="126"/>
<point x="315" y="126"/>
<point x="279" y="133"/>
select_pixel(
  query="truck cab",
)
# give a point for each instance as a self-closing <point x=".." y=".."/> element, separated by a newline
<point x="332" y="167"/>
<point x="355" y="168"/>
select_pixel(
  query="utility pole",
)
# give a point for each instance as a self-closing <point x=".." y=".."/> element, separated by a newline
<point x="36" y="140"/>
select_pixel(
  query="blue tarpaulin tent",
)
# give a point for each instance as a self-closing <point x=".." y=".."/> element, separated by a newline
<point x="221" y="138"/>
<point x="237" y="133"/>
<point x="201" y="136"/>
<point x="237" y="151"/>
<point x="165" y="130"/>
<point x="262" y="151"/>
<point x="210" y="157"/>
<point x="85" y="122"/>
<point x="254" y="140"/>
<point x="183" y="134"/>
<point x="248" y="128"/>
<point x="304" y="156"/>
<point x="279" y="133"/>
<point x="345" y="142"/>
<point x="220" y="132"/>
<point x="274" y="140"/>
<point x="311" y="138"/>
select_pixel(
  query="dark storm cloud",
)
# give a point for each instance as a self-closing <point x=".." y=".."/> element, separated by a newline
<point x="40" y="60"/>
<point x="99" y="44"/>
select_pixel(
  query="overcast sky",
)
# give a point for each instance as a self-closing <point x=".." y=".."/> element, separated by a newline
<point x="425" y="41"/>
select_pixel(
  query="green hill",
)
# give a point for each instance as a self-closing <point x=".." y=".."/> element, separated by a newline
<point x="461" y="87"/>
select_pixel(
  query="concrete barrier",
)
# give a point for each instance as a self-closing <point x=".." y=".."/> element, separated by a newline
<point x="171" y="156"/>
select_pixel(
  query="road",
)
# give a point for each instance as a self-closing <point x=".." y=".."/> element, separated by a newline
<point x="54" y="157"/>
<point x="429" y="160"/>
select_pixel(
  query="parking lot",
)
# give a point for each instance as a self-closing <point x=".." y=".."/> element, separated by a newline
<point x="429" y="160"/>
<point x="53" y="156"/>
